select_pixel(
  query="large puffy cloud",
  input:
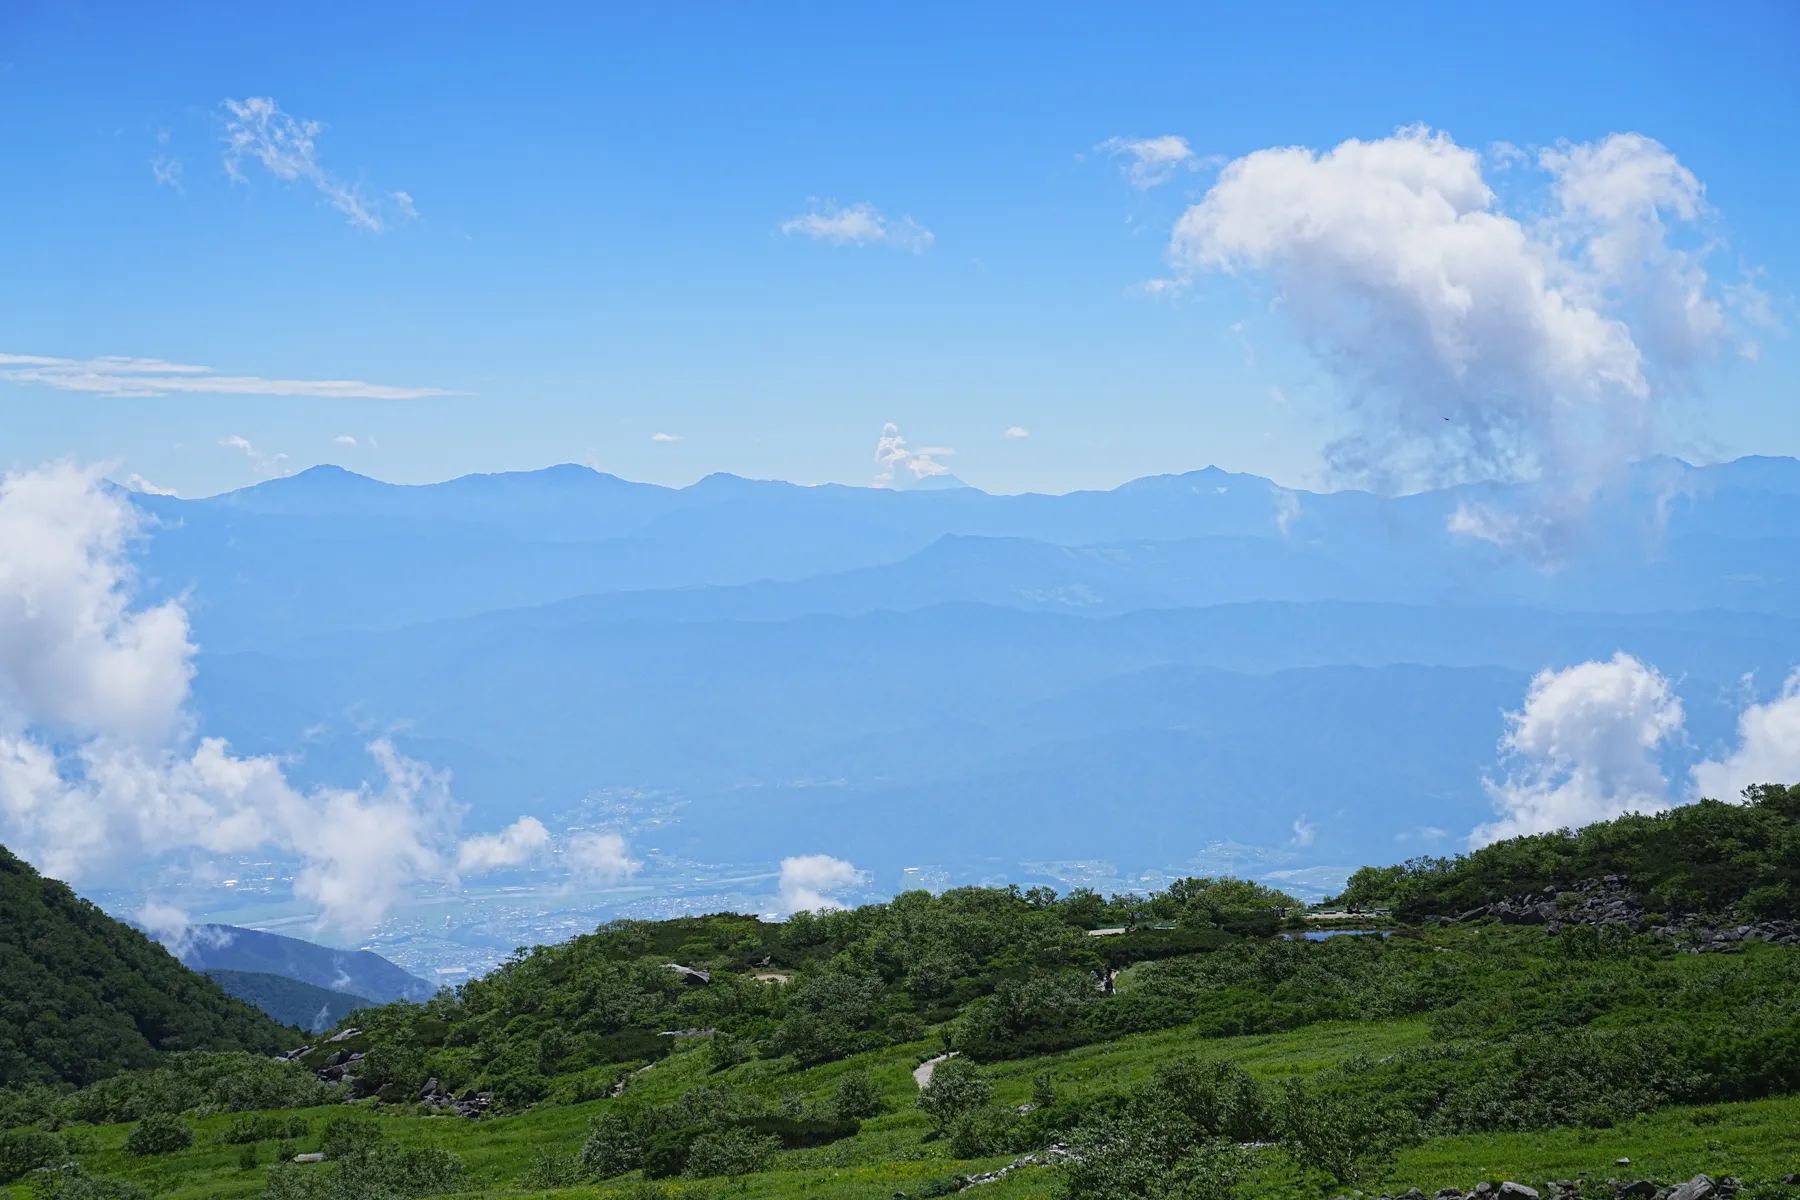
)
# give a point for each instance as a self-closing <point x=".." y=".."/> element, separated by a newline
<point x="1768" y="748"/>
<point x="810" y="881"/>
<point x="98" y="764"/>
<point x="1584" y="748"/>
<point x="1471" y="344"/>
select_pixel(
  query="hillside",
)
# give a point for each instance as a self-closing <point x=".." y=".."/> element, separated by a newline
<point x="290" y="1001"/>
<point x="356" y="972"/>
<point x="83" y="996"/>
<point x="1205" y="1041"/>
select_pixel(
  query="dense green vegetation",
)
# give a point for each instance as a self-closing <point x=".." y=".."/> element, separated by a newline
<point x="289" y="1001"/>
<point x="1210" y="1049"/>
<point x="83" y="996"/>
<point x="1719" y="859"/>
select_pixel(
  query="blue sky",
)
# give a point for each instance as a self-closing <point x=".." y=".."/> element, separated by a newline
<point x="599" y="253"/>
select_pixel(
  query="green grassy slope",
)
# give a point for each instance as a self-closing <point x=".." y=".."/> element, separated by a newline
<point x="1441" y="1054"/>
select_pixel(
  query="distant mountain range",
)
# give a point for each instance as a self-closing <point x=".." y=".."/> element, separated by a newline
<point x="953" y="677"/>
<point x="338" y="977"/>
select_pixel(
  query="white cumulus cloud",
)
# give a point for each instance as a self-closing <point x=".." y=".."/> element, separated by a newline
<point x="895" y="462"/>
<point x="858" y="225"/>
<point x="118" y="375"/>
<point x="257" y="129"/>
<point x="1768" y="748"/>
<point x="1584" y="748"/>
<point x="513" y="846"/>
<point x="1470" y="343"/>
<point x="809" y="881"/>
<point x="1016" y="433"/>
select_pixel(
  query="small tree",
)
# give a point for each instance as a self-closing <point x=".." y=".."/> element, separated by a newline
<point x="159" y="1133"/>
<point x="957" y="1086"/>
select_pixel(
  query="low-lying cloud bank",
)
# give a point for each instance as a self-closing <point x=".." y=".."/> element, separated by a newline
<point x="99" y="759"/>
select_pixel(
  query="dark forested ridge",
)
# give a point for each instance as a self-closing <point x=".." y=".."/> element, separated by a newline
<point x="83" y="996"/>
<point x="290" y="1001"/>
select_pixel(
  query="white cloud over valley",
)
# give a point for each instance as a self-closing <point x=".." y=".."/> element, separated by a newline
<point x="100" y="764"/>
<point x="810" y="882"/>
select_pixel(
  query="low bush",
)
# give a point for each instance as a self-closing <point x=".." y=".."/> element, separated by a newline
<point x="73" y="1183"/>
<point x="382" y="1172"/>
<point x="23" y="1150"/>
<point x="264" y="1127"/>
<point x="856" y="1096"/>
<point x="734" y="1151"/>
<point x="159" y="1133"/>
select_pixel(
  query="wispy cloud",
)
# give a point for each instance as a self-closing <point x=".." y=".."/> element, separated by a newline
<point x="166" y="171"/>
<point x="858" y="225"/>
<point x="1016" y="432"/>
<point x="138" y="483"/>
<point x="259" y="130"/>
<point x="344" y="439"/>
<point x="266" y="464"/>
<point x="114" y="375"/>
<point x="1150" y="162"/>
<point x="665" y="437"/>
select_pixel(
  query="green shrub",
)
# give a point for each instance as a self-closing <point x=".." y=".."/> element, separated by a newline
<point x="611" y="1148"/>
<point x="264" y="1127"/>
<point x="23" y="1150"/>
<point x="381" y="1172"/>
<point x="1219" y="1098"/>
<point x="957" y="1086"/>
<point x="73" y="1183"/>
<point x="1352" y="1140"/>
<point x="548" y="1169"/>
<point x="856" y="1096"/>
<point x="983" y="1131"/>
<point x="735" y="1151"/>
<point x="159" y="1133"/>
<point x="347" y="1135"/>
<point x="247" y="1157"/>
<point x="726" y="1051"/>
<point x="1150" y="1153"/>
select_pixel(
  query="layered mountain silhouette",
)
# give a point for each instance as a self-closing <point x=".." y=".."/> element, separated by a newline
<point x="930" y="675"/>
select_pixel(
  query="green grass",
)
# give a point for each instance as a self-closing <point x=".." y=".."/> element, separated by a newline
<point x="1756" y="1141"/>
